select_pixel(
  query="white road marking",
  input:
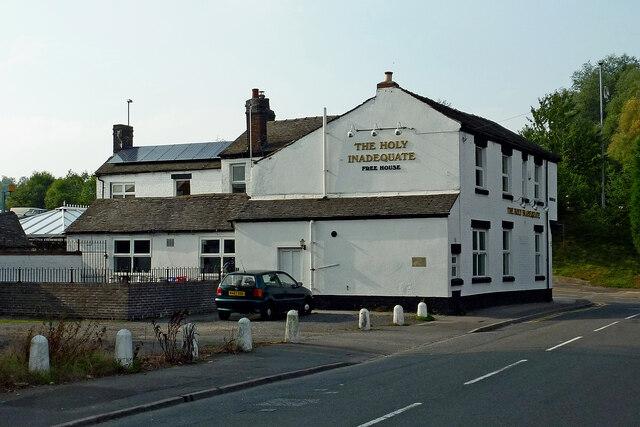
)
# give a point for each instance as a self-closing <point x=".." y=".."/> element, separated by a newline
<point x="604" y="327"/>
<point x="564" y="343"/>
<point x="490" y="374"/>
<point x="631" y="317"/>
<point x="390" y="414"/>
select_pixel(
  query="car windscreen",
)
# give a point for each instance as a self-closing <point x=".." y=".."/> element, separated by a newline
<point x="239" y="281"/>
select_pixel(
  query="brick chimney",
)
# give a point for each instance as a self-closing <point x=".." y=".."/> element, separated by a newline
<point x="388" y="81"/>
<point x="258" y="114"/>
<point x="122" y="137"/>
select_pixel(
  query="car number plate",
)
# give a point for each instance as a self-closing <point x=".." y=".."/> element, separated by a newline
<point x="236" y="293"/>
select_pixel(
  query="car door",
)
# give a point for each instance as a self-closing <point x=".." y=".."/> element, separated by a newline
<point x="273" y="285"/>
<point x="294" y="292"/>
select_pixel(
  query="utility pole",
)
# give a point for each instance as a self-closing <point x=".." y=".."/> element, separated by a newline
<point x="602" y="197"/>
<point x="5" y="189"/>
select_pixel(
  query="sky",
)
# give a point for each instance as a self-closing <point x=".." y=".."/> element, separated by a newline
<point x="67" y="68"/>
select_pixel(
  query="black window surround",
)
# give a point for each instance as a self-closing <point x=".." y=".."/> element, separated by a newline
<point x="525" y="156"/>
<point x="480" y="141"/>
<point x="507" y="225"/>
<point x="482" y="191"/>
<point x="508" y="279"/>
<point x="457" y="282"/>
<point x="540" y="277"/>
<point x="481" y="280"/>
<point x="506" y="150"/>
<point x="477" y="223"/>
<point x="180" y="176"/>
<point x="506" y="196"/>
<point x="456" y="248"/>
<point x="537" y="160"/>
<point x="538" y="228"/>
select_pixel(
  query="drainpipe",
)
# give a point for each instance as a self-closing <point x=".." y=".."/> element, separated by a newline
<point x="99" y="179"/>
<point x="324" y="153"/>
<point x="548" y="232"/>
<point x="310" y="248"/>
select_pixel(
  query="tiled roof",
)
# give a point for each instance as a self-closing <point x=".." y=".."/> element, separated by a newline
<point x="491" y="130"/>
<point x="12" y="235"/>
<point x="207" y="212"/>
<point x="118" y="168"/>
<point x="279" y="134"/>
<point x="438" y="205"/>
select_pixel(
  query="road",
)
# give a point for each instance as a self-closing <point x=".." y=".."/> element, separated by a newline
<point x="578" y="368"/>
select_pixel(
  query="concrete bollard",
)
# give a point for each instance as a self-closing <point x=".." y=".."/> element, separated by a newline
<point x="245" y="341"/>
<point x="422" y="310"/>
<point x="124" y="348"/>
<point x="292" y="331"/>
<point x="398" y="315"/>
<point x="39" y="354"/>
<point x="187" y="330"/>
<point x="364" y="322"/>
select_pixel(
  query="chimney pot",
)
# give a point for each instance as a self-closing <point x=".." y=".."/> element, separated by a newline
<point x="254" y="93"/>
<point x="388" y="76"/>
<point x="122" y="137"/>
<point x="388" y="81"/>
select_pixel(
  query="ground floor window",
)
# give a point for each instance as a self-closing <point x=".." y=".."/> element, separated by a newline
<point x="479" y="253"/>
<point x="506" y="252"/>
<point x="131" y="255"/>
<point x="538" y="252"/>
<point x="454" y="266"/>
<point x="217" y="255"/>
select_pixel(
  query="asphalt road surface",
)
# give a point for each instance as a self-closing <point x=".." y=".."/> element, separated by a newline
<point x="578" y="368"/>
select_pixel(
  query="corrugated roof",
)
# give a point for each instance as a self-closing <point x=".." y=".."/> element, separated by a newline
<point x="438" y="205"/>
<point x="51" y="223"/>
<point x="12" y="235"/>
<point x="204" y="212"/>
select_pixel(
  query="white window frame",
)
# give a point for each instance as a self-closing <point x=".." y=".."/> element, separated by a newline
<point x="480" y="167"/>
<point x="225" y="256"/>
<point x="126" y="190"/>
<point x="479" y="251"/>
<point x="238" y="185"/>
<point x="506" y="174"/>
<point x="176" y="183"/>
<point x="132" y="255"/>
<point x="537" y="248"/>
<point x="536" y="181"/>
<point x="506" y="252"/>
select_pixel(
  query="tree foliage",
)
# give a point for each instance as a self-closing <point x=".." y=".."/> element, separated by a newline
<point x="634" y="212"/>
<point x="43" y="190"/>
<point x="30" y="192"/>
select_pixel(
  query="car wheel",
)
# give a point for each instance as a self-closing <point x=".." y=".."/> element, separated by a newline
<point x="224" y="315"/>
<point x="269" y="312"/>
<point x="307" y="306"/>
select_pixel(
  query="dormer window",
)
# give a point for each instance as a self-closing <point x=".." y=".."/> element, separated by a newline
<point x="238" y="180"/>
<point x="181" y="183"/>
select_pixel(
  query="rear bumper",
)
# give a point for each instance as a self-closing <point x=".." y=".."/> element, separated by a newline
<point x="240" y="305"/>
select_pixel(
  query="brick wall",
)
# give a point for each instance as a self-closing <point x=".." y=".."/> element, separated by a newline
<point x="106" y="301"/>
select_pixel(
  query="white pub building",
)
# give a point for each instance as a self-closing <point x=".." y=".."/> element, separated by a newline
<point x="399" y="200"/>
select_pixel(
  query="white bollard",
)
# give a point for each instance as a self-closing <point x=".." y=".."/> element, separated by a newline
<point x="292" y="331"/>
<point x="422" y="310"/>
<point x="188" y="329"/>
<point x="398" y="315"/>
<point x="124" y="348"/>
<point x="245" y="341"/>
<point x="39" y="354"/>
<point x="364" y="323"/>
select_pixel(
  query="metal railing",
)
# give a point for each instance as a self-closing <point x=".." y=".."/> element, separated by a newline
<point x="105" y="275"/>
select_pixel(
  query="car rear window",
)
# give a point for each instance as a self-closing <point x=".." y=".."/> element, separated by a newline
<point x="239" y="280"/>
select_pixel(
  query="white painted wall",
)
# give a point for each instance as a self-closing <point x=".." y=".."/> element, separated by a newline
<point x="184" y="253"/>
<point x="160" y="184"/>
<point x="37" y="260"/>
<point x="367" y="257"/>
<point x="297" y="170"/>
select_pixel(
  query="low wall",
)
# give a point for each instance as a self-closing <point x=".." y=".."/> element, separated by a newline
<point x="106" y="301"/>
<point x="41" y="260"/>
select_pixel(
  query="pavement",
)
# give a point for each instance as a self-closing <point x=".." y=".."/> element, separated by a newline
<point x="329" y="340"/>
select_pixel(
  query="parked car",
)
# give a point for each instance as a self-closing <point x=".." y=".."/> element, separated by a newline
<point x="267" y="292"/>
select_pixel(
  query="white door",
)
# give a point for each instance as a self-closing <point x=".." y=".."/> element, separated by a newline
<point x="290" y="261"/>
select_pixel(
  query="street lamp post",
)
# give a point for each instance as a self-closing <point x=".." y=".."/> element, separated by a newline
<point x="129" y="101"/>
<point x="602" y="197"/>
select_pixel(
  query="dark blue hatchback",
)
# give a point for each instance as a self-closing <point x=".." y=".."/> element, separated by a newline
<point x="266" y="292"/>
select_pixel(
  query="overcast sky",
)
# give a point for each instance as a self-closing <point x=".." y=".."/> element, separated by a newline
<point x="68" y="67"/>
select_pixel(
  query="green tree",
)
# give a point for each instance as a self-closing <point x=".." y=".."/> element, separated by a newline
<point x="30" y="192"/>
<point x="73" y="189"/>
<point x="634" y="211"/>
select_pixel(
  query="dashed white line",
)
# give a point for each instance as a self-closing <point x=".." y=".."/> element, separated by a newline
<point x="631" y="317"/>
<point x="495" y="372"/>
<point x="390" y="414"/>
<point x="564" y="343"/>
<point x="604" y="327"/>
